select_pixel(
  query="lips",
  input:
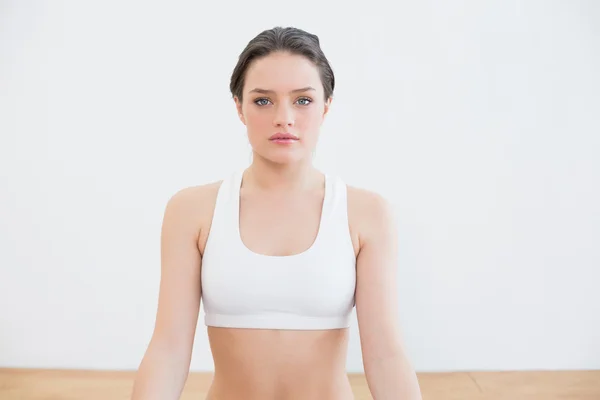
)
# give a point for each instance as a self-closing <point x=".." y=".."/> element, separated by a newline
<point x="284" y="136"/>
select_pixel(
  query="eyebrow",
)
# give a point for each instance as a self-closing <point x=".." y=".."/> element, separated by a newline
<point x="265" y="91"/>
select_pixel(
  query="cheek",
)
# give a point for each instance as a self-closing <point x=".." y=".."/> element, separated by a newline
<point x="311" y="121"/>
<point x="308" y="121"/>
<point x="256" y="117"/>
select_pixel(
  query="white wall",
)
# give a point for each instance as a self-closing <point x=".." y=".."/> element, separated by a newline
<point x="478" y="120"/>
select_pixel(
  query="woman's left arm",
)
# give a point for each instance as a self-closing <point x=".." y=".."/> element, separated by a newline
<point x="388" y="371"/>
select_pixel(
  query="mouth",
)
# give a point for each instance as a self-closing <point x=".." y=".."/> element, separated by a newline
<point x="284" y="138"/>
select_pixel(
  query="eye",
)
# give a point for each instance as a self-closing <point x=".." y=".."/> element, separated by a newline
<point x="257" y="101"/>
<point x="308" y="101"/>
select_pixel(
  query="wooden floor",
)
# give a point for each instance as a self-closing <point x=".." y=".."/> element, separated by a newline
<point x="21" y="384"/>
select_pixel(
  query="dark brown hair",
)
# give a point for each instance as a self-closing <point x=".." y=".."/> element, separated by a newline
<point x="291" y="40"/>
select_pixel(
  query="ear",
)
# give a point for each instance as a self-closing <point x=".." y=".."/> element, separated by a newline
<point x="240" y="111"/>
<point x="327" y="106"/>
<point x="326" y="109"/>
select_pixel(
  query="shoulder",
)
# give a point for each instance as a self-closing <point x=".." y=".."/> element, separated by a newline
<point x="369" y="204"/>
<point x="193" y="198"/>
<point x="370" y="213"/>
<point x="192" y="207"/>
<point x="373" y="201"/>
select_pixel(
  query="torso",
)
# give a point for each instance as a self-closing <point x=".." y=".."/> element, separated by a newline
<point x="272" y="363"/>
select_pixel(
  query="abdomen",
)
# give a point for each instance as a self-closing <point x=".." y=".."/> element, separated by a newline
<point x="279" y="364"/>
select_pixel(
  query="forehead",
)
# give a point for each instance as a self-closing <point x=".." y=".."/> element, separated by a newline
<point x="282" y="73"/>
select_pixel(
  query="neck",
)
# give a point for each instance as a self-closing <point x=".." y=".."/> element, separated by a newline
<point x="265" y="175"/>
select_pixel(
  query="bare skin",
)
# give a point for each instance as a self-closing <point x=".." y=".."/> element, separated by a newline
<point x="278" y="364"/>
<point x="280" y="184"/>
<point x="257" y="363"/>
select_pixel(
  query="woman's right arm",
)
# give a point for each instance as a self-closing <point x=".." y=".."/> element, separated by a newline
<point x="164" y="368"/>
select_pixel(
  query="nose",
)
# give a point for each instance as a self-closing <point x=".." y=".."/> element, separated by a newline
<point x="284" y="116"/>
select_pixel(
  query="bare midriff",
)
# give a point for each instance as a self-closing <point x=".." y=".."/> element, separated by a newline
<point x="262" y="364"/>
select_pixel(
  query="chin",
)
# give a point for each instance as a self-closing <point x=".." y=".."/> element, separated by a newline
<point x="285" y="157"/>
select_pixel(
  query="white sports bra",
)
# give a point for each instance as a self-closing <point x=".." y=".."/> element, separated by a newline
<point x="309" y="290"/>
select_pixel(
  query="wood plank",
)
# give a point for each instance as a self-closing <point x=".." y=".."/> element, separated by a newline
<point x="39" y="384"/>
<point x="540" y="385"/>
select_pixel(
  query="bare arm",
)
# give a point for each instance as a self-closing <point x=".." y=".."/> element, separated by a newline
<point x="165" y="366"/>
<point x="388" y="371"/>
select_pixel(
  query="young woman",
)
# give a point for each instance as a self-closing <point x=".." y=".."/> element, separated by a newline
<point x="280" y="254"/>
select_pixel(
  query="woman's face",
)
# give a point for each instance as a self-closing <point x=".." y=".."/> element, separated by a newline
<point x="283" y="94"/>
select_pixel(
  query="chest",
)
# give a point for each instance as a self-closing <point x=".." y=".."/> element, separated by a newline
<point x="279" y="226"/>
